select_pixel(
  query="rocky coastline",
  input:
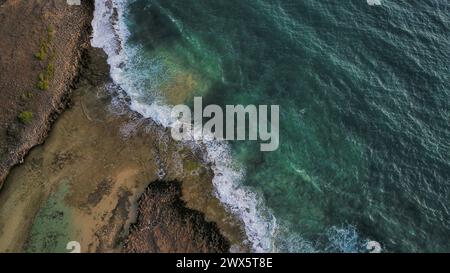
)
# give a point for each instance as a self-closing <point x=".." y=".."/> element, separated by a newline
<point x="89" y="178"/>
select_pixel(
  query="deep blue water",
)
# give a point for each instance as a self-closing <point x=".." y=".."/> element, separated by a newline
<point x="364" y="108"/>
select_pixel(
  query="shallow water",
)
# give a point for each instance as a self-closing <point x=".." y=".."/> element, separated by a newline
<point x="364" y="99"/>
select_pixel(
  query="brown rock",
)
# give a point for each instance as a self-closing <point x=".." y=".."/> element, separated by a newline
<point x="165" y="225"/>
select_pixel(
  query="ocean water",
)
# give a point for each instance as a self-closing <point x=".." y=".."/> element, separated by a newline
<point x="364" y="104"/>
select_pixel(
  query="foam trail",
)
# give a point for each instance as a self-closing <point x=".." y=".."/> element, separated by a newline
<point x="260" y="224"/>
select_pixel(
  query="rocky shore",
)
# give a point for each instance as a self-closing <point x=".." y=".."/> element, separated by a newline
<point x="42" y="45"/>
<point x="84" y="183"/>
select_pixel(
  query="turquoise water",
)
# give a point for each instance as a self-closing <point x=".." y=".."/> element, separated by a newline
<point x="364" y="108"/>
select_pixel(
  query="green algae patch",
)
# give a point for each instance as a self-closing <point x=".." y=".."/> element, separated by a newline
<point x="191" y="165"/>
<point x="51" y="230"/>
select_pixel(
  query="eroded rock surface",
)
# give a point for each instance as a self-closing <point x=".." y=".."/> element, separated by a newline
<point x="164" y="224"/>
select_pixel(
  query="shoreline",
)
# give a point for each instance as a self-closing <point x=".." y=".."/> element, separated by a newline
<point x="99" y="208"/>
<point x="94" y="167"/>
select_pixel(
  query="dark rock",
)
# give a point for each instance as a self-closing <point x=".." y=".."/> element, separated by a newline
<point x="165" y="225"/>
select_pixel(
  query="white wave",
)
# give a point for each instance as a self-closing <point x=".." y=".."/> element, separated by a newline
<point x="260" y="224"/>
